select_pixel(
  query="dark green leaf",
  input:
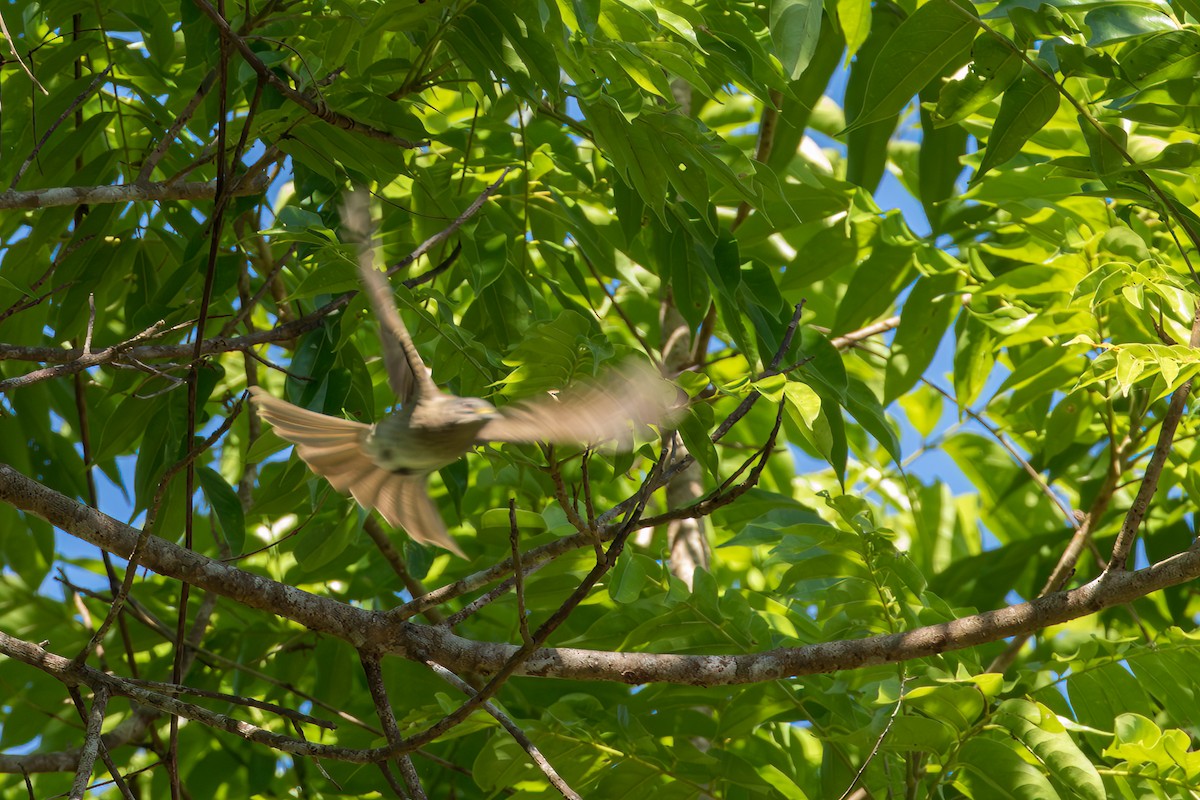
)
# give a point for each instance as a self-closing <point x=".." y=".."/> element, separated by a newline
<point x="1026" y="108"/>
<point x="227" y="507"/>
<point x="933" y="39"/>
<point x="795" y="25"/>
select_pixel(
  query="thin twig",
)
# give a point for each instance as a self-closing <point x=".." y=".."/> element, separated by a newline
<point x="391" y="781"/>
<point x="91" y="324"/>
<point x="172" y="133"/>
<point x="147" y="528"/>
<point x="30" y="302"/>
<point x="63" y="117"/>
<point x="392" y="556"/>
<point x="12" y="47"/>
<point x="560" y="491"/>
<point x="449" y="230"/>
<point x="1162" y="448"/>
<point x="768" y="124"/>
<point x="315" y="107"/>
<point x="513" y="729"/>
<point x="499" y="590"/>
<point x="411" y="779"/>
<point x="433" y="272"/>
<point x="612" y="299"/>
<point x="175" y="690"/>
<point x="866" y="332"/>
<point x="383" y="706"/>
<point x="879" y="739"/>
<point x="725" y="495"/>
<point x="387" y="718"/>
<point x="245" y="309"/>
<point x="110" y="781"/>
<point x="1062" y="505"/>
<point x="91" y="743"/>
<point x="514" y="540"/>
<point x="272" y="365"/>
<point x="84" y="361"/>
<point x="215" y="228"/>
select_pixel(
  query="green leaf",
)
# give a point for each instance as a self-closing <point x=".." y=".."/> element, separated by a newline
<point x="923" y="409"/>
<point x="939" y="166"/>
<point x="819" y="422"/>
<point x="226" y="505"/>
<point x="854" y="18"/>
<point x="327" y="536"/>
<point x="864" y="406"/>
<point x="927" y="313"/>
<point x="795" y="25"/>
<point x="867" y="145"/>
<point x="1038" y="729"/>
<point x="992" y="770"/>
<point x="1047" y="370"/>
<point x="628" y="578"/>
<point x="995" y="65"/>
<point x="1117" y="22"/>
<point x="933" y="39"/>
<point x="874" y="286"/>
<point x="694" y="430"/>
<point x="1163" y="57"/>
<point x="1069" y="420"/>
<point x="1026" y="108"/>
<point x="956" y="705"/>
<point x="913" y="733"/>
<point x="496" y="521"/>
<point x="550" y="356"/>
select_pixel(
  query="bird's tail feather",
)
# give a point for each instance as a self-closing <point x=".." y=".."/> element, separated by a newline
<point x="403" y="500"/>
<point x="333" y="448"/>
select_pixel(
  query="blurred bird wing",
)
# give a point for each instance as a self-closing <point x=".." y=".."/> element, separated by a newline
<point x="333" y="448"/>
<point x="406" y="371"/>
<point x="589" y="413"/>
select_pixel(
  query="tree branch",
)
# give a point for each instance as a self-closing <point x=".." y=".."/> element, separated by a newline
<point x="91" y="744"/>
<point x="1162" y="448"/>
<point x="381" y="631"/>
<point x="126" y="193"/>
<point x="521" y="738"/>
<point x="64" y="670"/>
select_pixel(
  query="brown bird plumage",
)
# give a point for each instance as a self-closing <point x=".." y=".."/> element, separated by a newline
<point x="385" y="466"/>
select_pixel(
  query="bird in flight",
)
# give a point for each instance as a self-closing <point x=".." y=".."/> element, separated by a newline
<point x="385" y="466"/>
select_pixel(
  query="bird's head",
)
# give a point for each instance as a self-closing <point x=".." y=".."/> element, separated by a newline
<point x="466" y="410"/>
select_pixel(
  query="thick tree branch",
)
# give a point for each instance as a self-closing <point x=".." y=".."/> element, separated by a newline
<point x="380" y="632"/>
<point x="126" y="193"/>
